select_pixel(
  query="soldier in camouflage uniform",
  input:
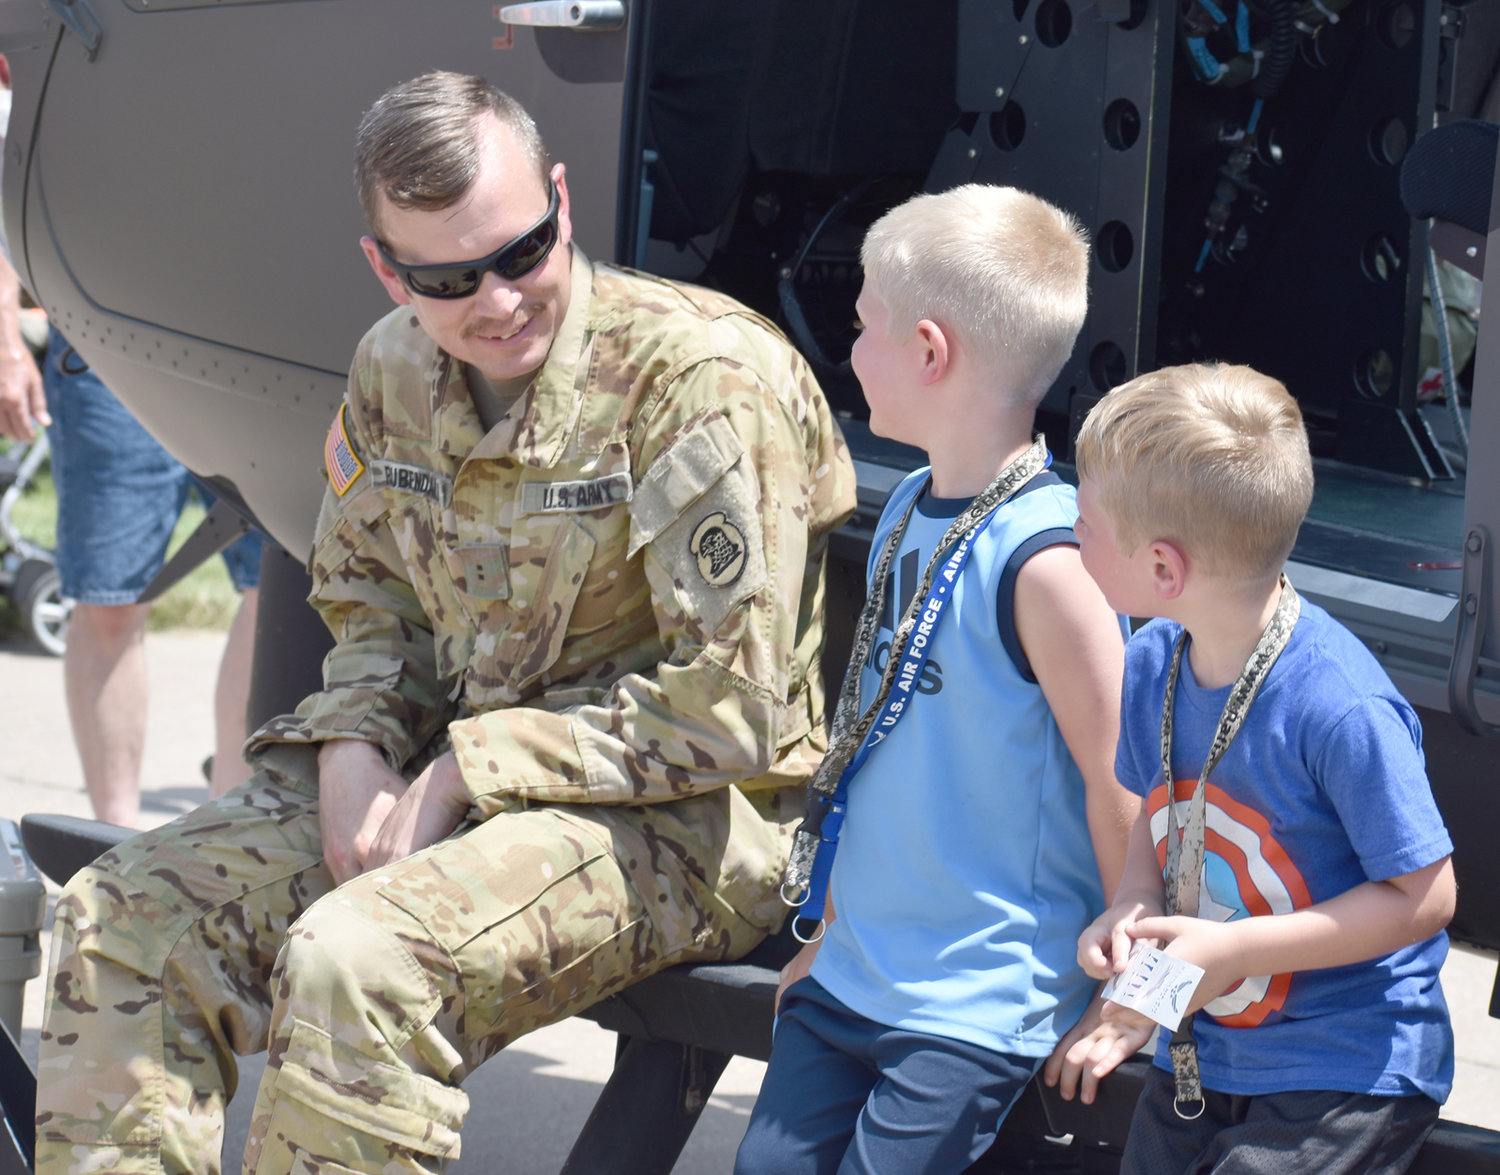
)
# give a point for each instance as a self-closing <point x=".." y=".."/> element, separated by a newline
<point x="571" y="553"/>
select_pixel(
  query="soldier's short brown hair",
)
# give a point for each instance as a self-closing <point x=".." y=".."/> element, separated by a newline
<point x="1211" y="457"/>
<point x="418" y="145"/>
<point x="1002" y="269"/>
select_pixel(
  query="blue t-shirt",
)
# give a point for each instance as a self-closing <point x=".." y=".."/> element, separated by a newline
<point x="1324" y="788"/>
<point x="965" y="872"/>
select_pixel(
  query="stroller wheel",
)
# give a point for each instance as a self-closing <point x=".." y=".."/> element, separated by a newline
<point x="37" y="592"/>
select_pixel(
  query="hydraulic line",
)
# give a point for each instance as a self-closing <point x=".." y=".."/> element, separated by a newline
<point x="1282" y="50"/>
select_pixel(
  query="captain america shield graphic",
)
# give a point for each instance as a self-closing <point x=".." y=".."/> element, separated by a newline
<point x="1246" y="873"/>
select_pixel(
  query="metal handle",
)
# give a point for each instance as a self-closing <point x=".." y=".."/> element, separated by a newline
<point x="1468" y="636"/>
<point x="567" y="14"/>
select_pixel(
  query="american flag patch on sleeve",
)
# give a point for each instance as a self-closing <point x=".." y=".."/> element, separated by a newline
<point x="339" y="456"/>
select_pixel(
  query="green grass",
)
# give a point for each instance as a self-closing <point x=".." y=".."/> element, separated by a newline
<point x="203" y="599"/>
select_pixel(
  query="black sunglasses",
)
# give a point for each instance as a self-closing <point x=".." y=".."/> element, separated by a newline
<point x="515" y="259"/>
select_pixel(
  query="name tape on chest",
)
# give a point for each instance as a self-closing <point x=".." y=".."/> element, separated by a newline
<point x="557" y="497"/>
<point x="339" y="457"/>
<point x="413" y="479"/>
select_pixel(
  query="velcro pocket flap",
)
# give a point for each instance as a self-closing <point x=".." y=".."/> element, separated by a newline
<point x="689" y="468"/>
<point x="343" y="526"/>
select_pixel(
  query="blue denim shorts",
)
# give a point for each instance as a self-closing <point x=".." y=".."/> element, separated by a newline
<point x="119" y="493"/>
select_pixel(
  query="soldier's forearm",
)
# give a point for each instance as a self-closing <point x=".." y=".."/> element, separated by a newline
<point x="348" y="754"/>
<point x="648" y="745"/>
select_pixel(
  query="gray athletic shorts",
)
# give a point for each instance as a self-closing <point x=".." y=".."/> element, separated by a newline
<point x="1322" y="1131"/>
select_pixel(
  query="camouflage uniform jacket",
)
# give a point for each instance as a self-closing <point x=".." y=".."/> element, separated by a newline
<point x="613" y="597"/>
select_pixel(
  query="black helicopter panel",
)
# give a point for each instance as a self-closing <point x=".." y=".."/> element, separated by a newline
<point x="180" y="201"/>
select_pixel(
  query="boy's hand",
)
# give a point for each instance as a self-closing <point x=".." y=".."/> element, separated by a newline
<point x="1092" y="1050"/>
<point x="799" y="967"/>
<point x="1214" y="946"/>
<point x="1104" y="947"/>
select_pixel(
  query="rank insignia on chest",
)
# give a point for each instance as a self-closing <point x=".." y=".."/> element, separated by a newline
<point x="485" y="571"/>
<point x="556" y="497"/>
<point x="339" y="456"/>
<point x="718" y="545"/>
<point x="413" y="479"/>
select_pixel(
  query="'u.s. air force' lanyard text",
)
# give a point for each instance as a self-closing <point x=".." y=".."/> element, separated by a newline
<point x="917" y="649"/>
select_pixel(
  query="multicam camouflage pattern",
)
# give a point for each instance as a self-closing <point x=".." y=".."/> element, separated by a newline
<point x="388" y="991"/>
<point x="584" y="655"/>
<point x="366" y="1078"/>
<point x="161" y="964"/>
<point x="630" y="684"/>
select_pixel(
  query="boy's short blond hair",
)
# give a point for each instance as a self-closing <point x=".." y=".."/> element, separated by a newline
<point x="1001" y="269"/>
<point x="1213" y="458"/>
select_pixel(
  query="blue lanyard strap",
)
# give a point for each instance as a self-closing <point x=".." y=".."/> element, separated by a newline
<point x="852" y="730"/>
<point x="897" y="703"/>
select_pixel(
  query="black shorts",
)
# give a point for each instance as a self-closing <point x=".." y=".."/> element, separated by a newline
<point x="1323" y="1131"/>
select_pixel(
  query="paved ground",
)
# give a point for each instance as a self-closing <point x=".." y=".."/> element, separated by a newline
<point x="531" y="1100"/>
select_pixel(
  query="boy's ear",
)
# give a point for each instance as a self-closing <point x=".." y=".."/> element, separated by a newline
<point x="935" y="350"/>
<point x="1169" y="566"/>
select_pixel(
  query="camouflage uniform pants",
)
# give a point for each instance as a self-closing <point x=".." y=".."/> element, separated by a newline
<point x="222" y="932"/>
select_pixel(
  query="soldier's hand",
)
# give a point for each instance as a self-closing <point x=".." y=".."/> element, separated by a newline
<point x="434" y="805"/>
<point x="356" y="791"/>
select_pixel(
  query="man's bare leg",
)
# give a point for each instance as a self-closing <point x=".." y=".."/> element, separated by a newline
<point x="232" y="698"/>
<point x="104" y="675"/>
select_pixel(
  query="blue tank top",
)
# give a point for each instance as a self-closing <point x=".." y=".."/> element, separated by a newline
<point x="965" y="871"/>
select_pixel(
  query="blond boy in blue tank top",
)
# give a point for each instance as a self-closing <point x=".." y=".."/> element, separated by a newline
<point x="984" y="831"/>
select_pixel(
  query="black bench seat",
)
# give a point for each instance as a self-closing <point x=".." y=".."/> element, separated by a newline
<point x="678" y="1030"/>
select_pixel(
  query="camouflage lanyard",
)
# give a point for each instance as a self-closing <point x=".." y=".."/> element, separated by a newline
<point x="849" y="732"/>
<point x="1185" y="851"/>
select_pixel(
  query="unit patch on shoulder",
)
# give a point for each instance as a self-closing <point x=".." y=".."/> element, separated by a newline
<point x="413" y="479"/>
<point x="718" y="545"/>
<point x="343" y="463"/>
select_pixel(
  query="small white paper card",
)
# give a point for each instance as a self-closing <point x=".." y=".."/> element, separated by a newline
<point x="1155" y="984"/>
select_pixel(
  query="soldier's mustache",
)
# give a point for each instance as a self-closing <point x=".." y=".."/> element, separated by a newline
<point x="497" y="326"/>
